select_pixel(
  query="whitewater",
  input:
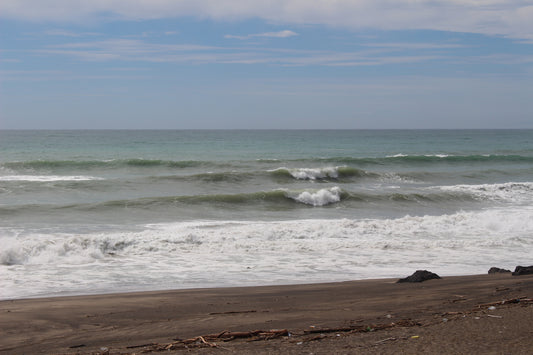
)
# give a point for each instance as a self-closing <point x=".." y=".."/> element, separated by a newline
<point x="84" y="212"/>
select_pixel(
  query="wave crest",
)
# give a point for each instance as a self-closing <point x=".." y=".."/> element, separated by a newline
<point x="319" y="173"/>
<point x="321" y="197"/>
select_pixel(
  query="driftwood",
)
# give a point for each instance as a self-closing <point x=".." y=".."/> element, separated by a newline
<point x="364" y="328"/>
<point x="331" y="330"/>
<point x="140" y="346"/>
<point x="76" y="346"/>
<point x="209" y="340"/>
<point x="523" y="300"/>
<point x="233" y="312"/>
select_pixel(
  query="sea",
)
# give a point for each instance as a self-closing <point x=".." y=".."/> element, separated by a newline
<point x="105" y="211"/>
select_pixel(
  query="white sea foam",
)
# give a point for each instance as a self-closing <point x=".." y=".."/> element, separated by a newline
<point x="205" y="254"/>
<point x="320" y="197"/>
<point x="400" y="155"/>
<point x="47" y="178"/>
<point x="394" y="177"/>
<point x="311" y="173"/>
<point x="515" y="192"/>
<point x="316" y="173"/>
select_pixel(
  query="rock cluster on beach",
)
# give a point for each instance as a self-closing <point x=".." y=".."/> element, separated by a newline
<point x="523" y="270"/>
<point x="424" y="275"/>
<point x="519" y="270"/>
<point x="420" y="276"/>
<point x="497" y="270"/>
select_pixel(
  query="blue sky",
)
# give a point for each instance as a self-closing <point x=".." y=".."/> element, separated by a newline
<point x="71" y="64"/>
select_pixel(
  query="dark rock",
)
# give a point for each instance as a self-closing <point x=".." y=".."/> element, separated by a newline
<point x="497" y="270"/>
<point x="523" y="270"/>
<point x="419" y="276"/>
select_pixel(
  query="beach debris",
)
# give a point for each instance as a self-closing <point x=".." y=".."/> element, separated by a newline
<point x="460" y="298"/>
<point x="493" y="316"/>
<point x="140" y="345"/>
<point x="77" y="346"/>
<point x="363" y="328"/>
<point x="235" y="312"/>
<point x="419" y="276"/>
<point x="523" y="270"/>
<point x="452" y="313"/>
<point x="502" y="288"/>
<point x="415" y="336"/>
<point x="491" y="308"/>
<point x="497" y="270"/>
<point x="208" y="340"/>
<point x="523" y="300"/>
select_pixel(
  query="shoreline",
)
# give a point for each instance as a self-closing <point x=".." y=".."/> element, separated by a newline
<point x="75" y="294"/>
<point x="140" y="321"/>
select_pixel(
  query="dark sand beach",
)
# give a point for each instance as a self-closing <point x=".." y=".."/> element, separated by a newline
<point x="453" y="315"/>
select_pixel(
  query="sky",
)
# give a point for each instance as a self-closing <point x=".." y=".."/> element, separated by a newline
<point x="266" y="64"/>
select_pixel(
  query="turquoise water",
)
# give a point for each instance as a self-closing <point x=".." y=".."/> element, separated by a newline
<point x="188" y="207"/>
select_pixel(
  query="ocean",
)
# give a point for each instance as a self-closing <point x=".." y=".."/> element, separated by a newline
<point x="89" y="211"/>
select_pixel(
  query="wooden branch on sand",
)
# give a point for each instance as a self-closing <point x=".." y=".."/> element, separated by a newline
<point x="208" y="340"/>
<point x="523" y="300"/>
<point x="364" y="328"/>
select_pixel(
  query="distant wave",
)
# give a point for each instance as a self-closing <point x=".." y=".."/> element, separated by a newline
<point x="430" y="159"/>
<point x="320" y="173"/>
<point x="303" y="173"/>
<point x="287" y="198"/>
<point x="209" y="177"/>
<point x="279" y="197"/>
<point x="326" y="173"/>
<point x="48" y="178"/>
<point x="93" y="164"/>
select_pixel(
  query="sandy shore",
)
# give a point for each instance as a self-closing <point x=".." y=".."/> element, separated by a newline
<point x="454" y="315"/>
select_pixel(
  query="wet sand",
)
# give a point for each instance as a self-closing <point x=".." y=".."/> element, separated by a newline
<point x="453" y="315"/>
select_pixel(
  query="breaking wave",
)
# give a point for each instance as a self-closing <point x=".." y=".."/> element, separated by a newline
<point x="327" y="173"/>
<point x="321" y="197"/>
<point x="292" y="198"/>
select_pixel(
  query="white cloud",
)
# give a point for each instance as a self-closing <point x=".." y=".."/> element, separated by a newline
<point x="405" y="45"/>
<point x="511" y="18"/>
<point x="121" y="49"/>
<point x="61" y="33"/>
<point x="65" y="33"/>
<point x="280" y="34"/>
<point x="143" y="51"/>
